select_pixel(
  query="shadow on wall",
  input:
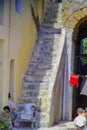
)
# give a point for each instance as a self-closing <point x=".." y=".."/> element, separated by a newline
<point x="57" y="94"/>
<point x="36" y="19"/>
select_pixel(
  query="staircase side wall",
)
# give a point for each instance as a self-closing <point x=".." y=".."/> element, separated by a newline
<point x="57" y="92"/>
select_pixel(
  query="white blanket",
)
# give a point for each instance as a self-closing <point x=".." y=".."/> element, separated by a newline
<point x="27" y="112"/>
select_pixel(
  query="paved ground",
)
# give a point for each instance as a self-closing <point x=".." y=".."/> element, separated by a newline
<point x="65" y="126"/>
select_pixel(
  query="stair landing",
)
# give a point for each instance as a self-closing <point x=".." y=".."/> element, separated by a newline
<point x="63" y="126"/>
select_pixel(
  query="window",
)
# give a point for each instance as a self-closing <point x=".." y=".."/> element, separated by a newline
<point x="18" y="6"/>
<point x="83" y="50"/>
<point x="1" y="11"/>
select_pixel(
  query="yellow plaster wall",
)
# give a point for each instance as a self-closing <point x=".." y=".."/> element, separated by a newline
<point x="19" y="34"/>
<point x="38" y="8"/>
<point x="1" y="71"/>
<point x="28" y="38"/>
<point x="4" y="34"/>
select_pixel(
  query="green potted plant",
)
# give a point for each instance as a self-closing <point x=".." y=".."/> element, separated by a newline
<point x="5" y="120"/>
<point x="4" y="124"/>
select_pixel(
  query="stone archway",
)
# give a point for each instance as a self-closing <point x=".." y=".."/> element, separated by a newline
<point x="80" y="67"/>
<point x="73" y="21"/>
<point x="70" y="21"/>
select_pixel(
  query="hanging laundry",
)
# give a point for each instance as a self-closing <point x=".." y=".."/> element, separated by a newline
<point x="74" y="80"/>
<point x="82" y="80"/>
<point x="84" y="87"/>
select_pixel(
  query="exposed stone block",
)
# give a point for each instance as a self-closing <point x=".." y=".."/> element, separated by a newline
<point x="65" y="15"/>
<point x="84" y="10"/>
<point x="78" y="15"/>
<point x="71" y="22"/>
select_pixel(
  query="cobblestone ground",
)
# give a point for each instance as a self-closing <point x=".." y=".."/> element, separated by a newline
<point x="64" y="126"/>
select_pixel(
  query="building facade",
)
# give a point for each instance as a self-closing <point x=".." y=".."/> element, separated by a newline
<point x="40" y="44"/>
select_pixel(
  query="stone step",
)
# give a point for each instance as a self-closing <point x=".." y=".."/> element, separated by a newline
<point x="34" y="94"/>
<point x="33" y="86"/>
<point x="48" y="14"/>
<point x="42" y="39"/>
<point x="38" y="62"/>
<point x="40" y="51"/>
<point x="52" y="59"/>
<point x="50" y="20"/>
<point x="50" y="51"/>
<point x="50" y="30"/>
<point x="52" y="15"/>
<point x="36" y="79"/>
<point x="53" y="20"/>
<point x="49" y="36"/>
<point x="36" y="100"/>
<point x="49" y="42"/>
<point x="52" y="5"/>
<point x="43" y="54"/>
<point x="40" y="66"/>
<point x="51" y="25"/>
<point x="54" y="12"/>
<point x="33" y="97"/>
<point x="38" y="104"/>
<point x="52" y="8"/>
<point x="44" y="48"/>
<point x="43" y="124"/>
<point x="56" y="38"/>
<point x="48" y="56"/>
<point x="39" y="72"/>
<point x="37" y="75"/>
<point x="26" y="92"/>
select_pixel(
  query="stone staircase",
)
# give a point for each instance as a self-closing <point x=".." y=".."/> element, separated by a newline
<point x="36" y="81"/>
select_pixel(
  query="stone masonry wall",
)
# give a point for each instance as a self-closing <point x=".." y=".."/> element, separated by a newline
<point x="73" y="12"/>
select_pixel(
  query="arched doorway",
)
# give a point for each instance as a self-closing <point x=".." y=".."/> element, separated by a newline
<point x="80" y="63"/>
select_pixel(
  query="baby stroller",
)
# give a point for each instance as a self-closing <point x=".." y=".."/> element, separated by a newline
<point x="29" y="115"/>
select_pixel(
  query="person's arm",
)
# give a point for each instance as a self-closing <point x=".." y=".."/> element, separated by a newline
<point x="75" y="120"/>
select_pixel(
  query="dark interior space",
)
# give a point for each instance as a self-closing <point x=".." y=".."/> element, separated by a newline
<point x="80" y="66"/>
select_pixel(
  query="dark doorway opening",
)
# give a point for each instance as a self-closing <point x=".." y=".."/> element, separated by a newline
<point x="80" y="64"/>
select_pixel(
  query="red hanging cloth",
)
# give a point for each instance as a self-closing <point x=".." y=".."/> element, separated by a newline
<point x="74" y="80"/>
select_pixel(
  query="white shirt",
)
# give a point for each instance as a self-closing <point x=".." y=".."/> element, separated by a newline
<point x="11" y="104"/>
<point x="80" y="120"/>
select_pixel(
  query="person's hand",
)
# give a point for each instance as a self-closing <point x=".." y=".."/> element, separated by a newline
<point x="12" y="109"/>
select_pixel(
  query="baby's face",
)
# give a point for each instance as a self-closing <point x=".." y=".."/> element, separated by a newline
<point x="33" y="108"/>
